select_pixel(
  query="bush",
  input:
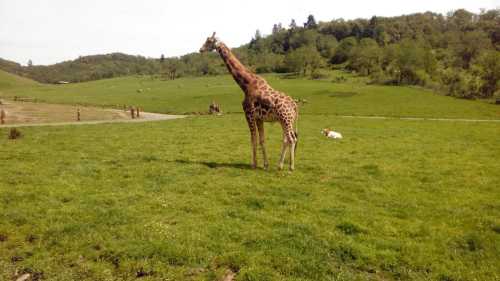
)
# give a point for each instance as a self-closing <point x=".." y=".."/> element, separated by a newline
<point x="462" y="84"/>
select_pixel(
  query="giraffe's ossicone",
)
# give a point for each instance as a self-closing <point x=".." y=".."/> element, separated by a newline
<point x="261" y="104"/>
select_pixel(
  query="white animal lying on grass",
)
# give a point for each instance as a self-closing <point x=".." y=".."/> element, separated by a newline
<point x="331" y="134"/>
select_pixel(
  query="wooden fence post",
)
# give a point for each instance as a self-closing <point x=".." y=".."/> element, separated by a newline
<point x="78" y="114"/>
<point x="132" y="113"/>
<point x="2" y="117"/>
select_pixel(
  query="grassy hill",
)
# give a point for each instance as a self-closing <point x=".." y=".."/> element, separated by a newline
<point x="324" y="97"/>
<point x="10" y="81"/>
<point x="176" y="200"/>
<point x="85" y="68"/>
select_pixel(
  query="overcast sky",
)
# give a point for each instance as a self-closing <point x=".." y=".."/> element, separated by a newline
<point x="50" y="31"/>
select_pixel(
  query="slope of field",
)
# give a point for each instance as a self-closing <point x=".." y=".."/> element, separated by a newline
<point x="10" y="81"/>
<point x="323" y="97"/>
<point x="176" y="200"/>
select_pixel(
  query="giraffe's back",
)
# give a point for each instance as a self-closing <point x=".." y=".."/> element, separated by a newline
<point x="272" y="106"/>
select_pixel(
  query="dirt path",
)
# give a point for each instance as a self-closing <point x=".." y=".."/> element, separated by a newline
<point x="27" y="114"/>
<point x="419" y="118"/>
<point x="145" y="117"/>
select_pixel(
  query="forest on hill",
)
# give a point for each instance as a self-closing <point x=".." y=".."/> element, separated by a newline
<point x="457" y="54"/>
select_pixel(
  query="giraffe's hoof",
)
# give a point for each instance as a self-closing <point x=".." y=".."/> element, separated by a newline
<point x="280" y="168"/>
<point x="254" y="166"/>
<point x="292" y="168"/>
<point x="266" y="166"/>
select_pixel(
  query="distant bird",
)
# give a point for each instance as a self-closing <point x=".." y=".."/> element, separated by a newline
<point x="331" y="134"/>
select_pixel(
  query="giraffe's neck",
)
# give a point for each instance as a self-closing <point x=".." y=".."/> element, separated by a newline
<point x="240" y="73"/>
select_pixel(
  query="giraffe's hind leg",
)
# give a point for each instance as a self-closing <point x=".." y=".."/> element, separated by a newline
<point x="262" y="140"/>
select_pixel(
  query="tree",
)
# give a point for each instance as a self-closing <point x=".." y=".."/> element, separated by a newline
<point x="257" y="43"/>
<point x="311" y="23"/>
<point x="293" y="24"/>
<point x="326" y="45"/>
<point x="277" y="28"/>
<point x="162" y="58"/>
<point x="303" y="59"/>
<point x="30" y="63"/>
<point x="343" y="50"/>
<point x="470" y="45"/>
<point x="257" y="35"/>
<point x="487" y="66"/>
<point x="489" y="22"/>
<point x="461" y="19"/>
<point x="303" y="37"/>
<point x="366" y="57"/>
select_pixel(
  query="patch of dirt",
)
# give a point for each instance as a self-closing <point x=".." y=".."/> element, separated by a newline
<point x="29" y="112"/>
<point x="22" y="114"/>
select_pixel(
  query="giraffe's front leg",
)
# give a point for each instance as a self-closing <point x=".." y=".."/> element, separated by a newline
<point x="253" y="138"/>
<point x="253" y="133"/>
<point x="292" y="156"/>
<point x="262" y="140"/>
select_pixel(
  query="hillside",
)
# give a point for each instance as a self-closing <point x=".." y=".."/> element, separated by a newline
<point x="11" y="81"/>
<point x="85" y="68"/>
<point x="177" y="200"/>
<point x="187" y="95"/>
<point x="457" y="54"/>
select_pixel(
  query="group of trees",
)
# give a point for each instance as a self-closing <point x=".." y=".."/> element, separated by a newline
<point x="458" y="53"/>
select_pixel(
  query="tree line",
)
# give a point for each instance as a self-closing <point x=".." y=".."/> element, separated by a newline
<point x="457" y="53"/>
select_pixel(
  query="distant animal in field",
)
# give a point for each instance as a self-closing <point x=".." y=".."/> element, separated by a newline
<point x="331" y="134"/>
<point x="14" y="134"/>
<point x="214" y="108"/>
<point x="261" y="104"/>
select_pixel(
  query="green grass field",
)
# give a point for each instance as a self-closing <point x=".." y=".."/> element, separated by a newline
<point x="176" y="200"/>
<point x="195" y="94"/>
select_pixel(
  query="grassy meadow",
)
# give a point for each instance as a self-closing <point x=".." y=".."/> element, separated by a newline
<point x="177" y="200"/>
<point x="187" y="95"/>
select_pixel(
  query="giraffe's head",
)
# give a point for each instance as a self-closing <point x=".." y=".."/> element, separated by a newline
<point x="209" y="45"/>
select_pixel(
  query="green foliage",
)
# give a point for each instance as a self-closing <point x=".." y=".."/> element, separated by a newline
<point x="487" y="67"/>
<point x="343" y="51"/>
<point x="326" y="45"/>
<point x="461" y="84"/>
<point x="311" y="23"/>
<point x="366" y="57"/>
<point x="304" y="60"/>
<point x="302" y="38"/>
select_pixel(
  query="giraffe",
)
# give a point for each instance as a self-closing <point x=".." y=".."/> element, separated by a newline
<point x="261" y="104"/>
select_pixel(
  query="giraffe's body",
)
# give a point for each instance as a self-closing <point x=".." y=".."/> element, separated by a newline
<point x="261" y="104"/>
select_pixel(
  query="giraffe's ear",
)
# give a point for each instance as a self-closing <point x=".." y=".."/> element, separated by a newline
<point x="213" y="35"/>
